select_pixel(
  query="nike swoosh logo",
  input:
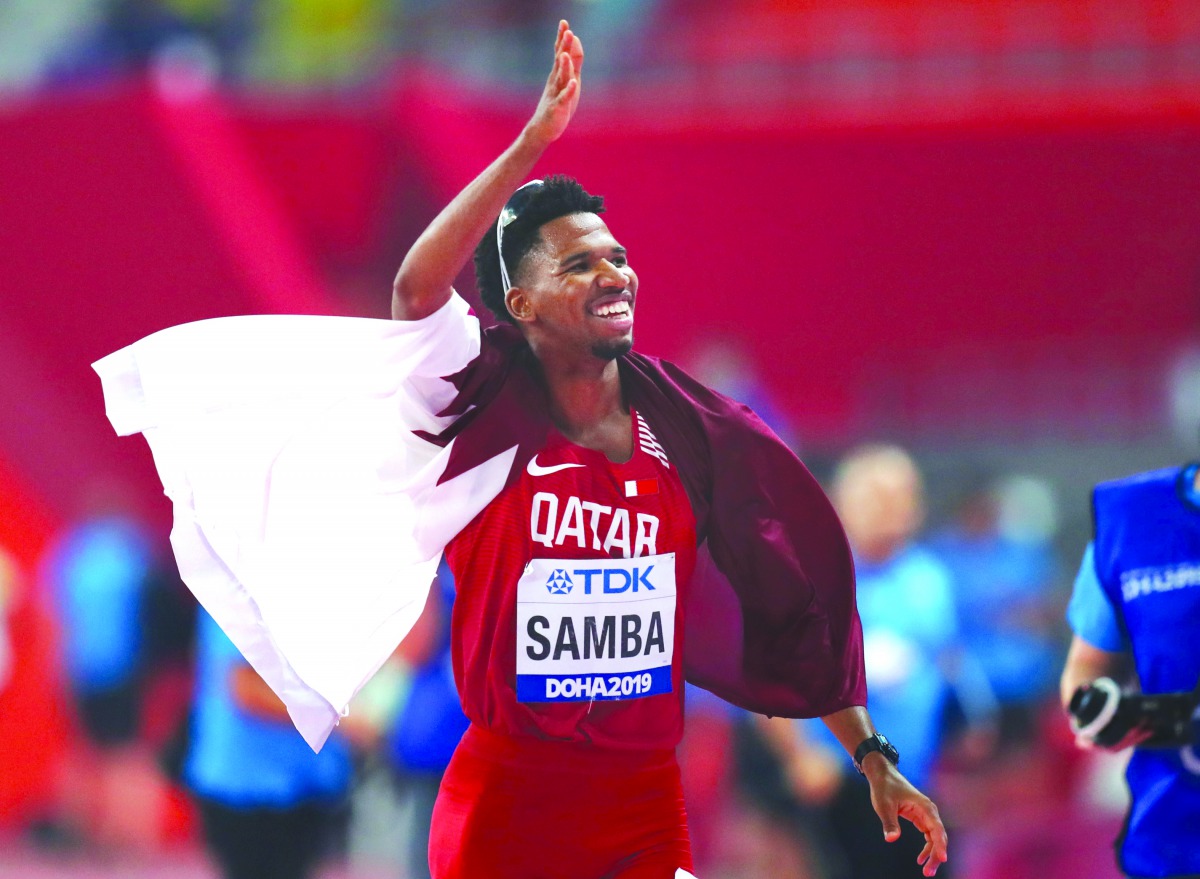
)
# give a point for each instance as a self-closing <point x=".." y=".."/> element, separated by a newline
<point x="535" y="469"/>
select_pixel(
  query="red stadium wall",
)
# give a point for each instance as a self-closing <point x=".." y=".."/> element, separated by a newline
<point x="124" y="214"/>
<point x="836" y="256"/>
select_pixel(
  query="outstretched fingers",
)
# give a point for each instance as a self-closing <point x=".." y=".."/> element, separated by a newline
<point x="573" y="46"/>
<point x="569" y="91"/>
<point x="564" y="83"/>
<point x="925" y="817"/>
<point x="563" y="28"/>
<point x="560" y="75"/>
<point x="561" y="94"/>
<point x="568" y="42"/>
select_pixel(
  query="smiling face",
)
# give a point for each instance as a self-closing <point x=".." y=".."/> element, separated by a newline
<point x="575" y="291"/>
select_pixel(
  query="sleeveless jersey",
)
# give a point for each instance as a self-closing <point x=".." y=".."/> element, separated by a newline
<point x="1147" y="558"/>
<point x="568" y="620"/>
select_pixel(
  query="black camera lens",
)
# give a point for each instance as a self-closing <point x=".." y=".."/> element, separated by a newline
<point x="1099" y="712"/>
<point x="1087" y="703"/>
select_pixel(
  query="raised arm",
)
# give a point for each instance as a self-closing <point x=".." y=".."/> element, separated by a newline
<point x="426" y="277"/>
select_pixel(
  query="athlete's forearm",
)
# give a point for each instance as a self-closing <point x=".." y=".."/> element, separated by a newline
<point x="426" y="277"/>
<point x="850" y="726"/>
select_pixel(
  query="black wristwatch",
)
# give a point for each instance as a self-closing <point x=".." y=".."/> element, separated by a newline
<point x="875" y="743"/>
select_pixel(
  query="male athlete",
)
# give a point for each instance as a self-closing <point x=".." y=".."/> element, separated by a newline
<point x="573" y="580"/>
<point x="612" y="526"/>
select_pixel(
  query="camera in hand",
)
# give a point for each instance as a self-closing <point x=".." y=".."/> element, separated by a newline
<point x="1101" y="712"/>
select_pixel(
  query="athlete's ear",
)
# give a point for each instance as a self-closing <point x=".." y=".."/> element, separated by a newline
<point x="519" y="304"/>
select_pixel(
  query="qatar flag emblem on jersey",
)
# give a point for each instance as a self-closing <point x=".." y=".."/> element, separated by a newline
<point x="640" y="487"/>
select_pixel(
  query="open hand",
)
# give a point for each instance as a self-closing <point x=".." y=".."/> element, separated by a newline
<point x="894" y="797"/>
<point x="561" y="95"/>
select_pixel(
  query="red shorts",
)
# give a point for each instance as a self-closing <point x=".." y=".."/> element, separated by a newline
<point x="523" y="808"/>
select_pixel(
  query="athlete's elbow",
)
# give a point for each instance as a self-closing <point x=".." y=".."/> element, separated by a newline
<point x="408" y="296"/>
<point x="400" y="300"/>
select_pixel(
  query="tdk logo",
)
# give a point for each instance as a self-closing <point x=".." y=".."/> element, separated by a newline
<point x="559" y="582"/>
<point x="611" y="581"/>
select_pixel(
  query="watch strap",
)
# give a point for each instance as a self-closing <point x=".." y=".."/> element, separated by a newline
<point x="873" y="743"/>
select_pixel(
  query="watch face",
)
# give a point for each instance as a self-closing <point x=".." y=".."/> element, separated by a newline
<point x="888" y="748"/>
<point x="877" y="742"/>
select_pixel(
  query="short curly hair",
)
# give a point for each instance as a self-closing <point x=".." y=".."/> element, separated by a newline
<point x="558" y="196"/>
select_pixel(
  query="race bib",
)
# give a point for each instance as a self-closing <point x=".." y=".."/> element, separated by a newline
<point x="595" y="629"/>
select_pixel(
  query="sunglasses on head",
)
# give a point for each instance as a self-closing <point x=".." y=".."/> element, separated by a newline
<point x="512" y="209"/>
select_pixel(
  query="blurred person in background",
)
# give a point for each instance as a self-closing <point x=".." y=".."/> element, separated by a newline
<point x="403" y="725"/>
<point x="913" y="656"/>
<point x="725" y="365"/>
<point x="99" y="572"/>
<point x="713" y="725"/>
<point x="1135" y="614"/>
<point x="427" y="729"/>
<point x="1004" y="574"/>
<point x="269" y="806"/>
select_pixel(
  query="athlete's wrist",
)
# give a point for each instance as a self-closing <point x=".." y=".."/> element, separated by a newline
<point x="533" y="140"/>
<point x="876" y="766"/>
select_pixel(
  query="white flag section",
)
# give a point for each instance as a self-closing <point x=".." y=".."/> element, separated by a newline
<point x="683" y="874"/>
<point x="307" y="517"/>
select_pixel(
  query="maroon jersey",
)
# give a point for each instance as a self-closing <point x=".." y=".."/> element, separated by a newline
<point x="568" y="619"/>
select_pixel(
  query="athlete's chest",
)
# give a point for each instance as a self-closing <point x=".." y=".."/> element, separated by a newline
<point x="591" y="557"/>
<point x="575" y="503"/>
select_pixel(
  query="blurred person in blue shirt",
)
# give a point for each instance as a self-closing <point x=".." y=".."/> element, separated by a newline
<point x="428" y="726"/>
<point x="1135" y="612"/>
<point x="269" y="805"/>
<point x="910" y="641"/>
<point x="1004" y="576"/>
<point x="97" y="573"/>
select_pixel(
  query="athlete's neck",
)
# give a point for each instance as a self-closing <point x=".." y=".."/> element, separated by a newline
<point x="588" y="408"/>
